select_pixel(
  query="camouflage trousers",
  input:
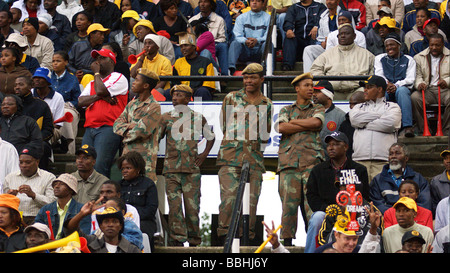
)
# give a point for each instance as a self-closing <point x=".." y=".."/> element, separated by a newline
<point x="229" y="178"/>
<point x="292" y="190"/>
<point x="184" y="189"/>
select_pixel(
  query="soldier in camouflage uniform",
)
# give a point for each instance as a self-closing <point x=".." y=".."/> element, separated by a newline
<point x="183" y="129"/>
<point x="246" y="117"/>
<point x="299" y="151"/>
<point x="139" y="122"/>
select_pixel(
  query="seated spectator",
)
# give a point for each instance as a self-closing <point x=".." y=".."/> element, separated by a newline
<point x="383" y="12"/>
<point x="104" y="99"/>
<point x="417" y="32"/>
<point x="37" y="234"/>
<point x="124" y="27"/>
<point x="281" y="7"/>
<point x="10" y="161"/>
<point x="19" y="42"/>
<point x="378" y="118"/>
<point x="82" y="22"/>
<point x="64" y="188"/>
<point x="12" y="235"/>
<point x="249" y="42"/>
<point x="111" y="223"/>
<point x="10" y="69"/>
<point x="206" y="46"/>
<point x="328" y="23"/>
<point x="18" y="129"/>
<point x="345" y="17"/>
<point x="430" y="27"/>
<point x="89" y="180"/>
<point x="228" y="14"/>
<point x="336" y="60"/>
<point x="121" y="66"/>
<point x="358" y="11"/>
<point x="153" y="61"/>
<point x="140" y="30"/>
<point x="5" y="25"/>
<point x="29" y="8"/>
<point x="66" y="84"/>
<point x="405" y="212"/>
<point x="60" y="22"/>
<point x="440" y="184"/>
<point x="441" y="243"/>
<point x="183" y="7"/>
<point x="410" y="16"/>
<point x="32" y="185"/>
<point x="80" y="59"/>
<point x="397" y="8"/>
<point x="16" y="23"/>
<point x="171" y="22"/>
<point x="193" y="65"/>
<point x="217" y="26"/>
<point x="40" y="112"/>
<point x="39" y="46"/>
<point x="441" y="215"/>
<point x="299" y="35"/>
<point x="413" y="242"/>
<point x="445" y="24"/>
<point x="399" y="70"/>
<point x="376" y="37"/>
<point x="106" y="13"/>
<point x="429" y="82"/>
<point x="69" y="8"/>
<point x="384" y="188"/>
<point x="409" y="188"/>
<point x="421" y="4"/>
<point x="46" y="30"/>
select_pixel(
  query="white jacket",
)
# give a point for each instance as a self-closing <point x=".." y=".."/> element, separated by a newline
<point x="376" y="125"/>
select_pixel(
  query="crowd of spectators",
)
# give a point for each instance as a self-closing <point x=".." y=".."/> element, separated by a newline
<point x="102" y="60"/>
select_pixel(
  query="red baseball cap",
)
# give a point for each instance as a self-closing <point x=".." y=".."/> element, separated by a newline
<point x="436" y="20"/>
<point x="103" y="52"/>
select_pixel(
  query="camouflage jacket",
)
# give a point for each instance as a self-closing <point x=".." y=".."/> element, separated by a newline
<point x="302" y="148"/>
<point x="139" y="125"/>
<point x="183" y="129"/>
<point x="246" y="129"/>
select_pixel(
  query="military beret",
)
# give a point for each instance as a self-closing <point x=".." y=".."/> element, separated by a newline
<point x="253" y="68"/>
<point x="302" y="77"/>
<point x="148" y="73"/>
<point x="182" y="88"/>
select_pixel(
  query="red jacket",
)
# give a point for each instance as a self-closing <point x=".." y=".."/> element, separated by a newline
<point x="424" y="217"/>
<point x="357" y="9"/>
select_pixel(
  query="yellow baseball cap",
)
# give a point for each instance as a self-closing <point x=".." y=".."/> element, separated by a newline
<point x="389" y="22"/>
<point x="407" y="202"/>
<point x="97" y="27"/>
<point x="444" y="153"/>
<point x="145" y="23"/>
<point x="131" y="14"/>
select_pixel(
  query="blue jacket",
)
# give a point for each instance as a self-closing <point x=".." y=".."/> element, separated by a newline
<point x="422" y="44"/>
<point x="384" y="191"/>
<point x="67" y="86"/>
<point x="252" y="24"/>
<point x="302" y="19"/>
<point x="409" y="20"/>
<point x="73" y="209"/>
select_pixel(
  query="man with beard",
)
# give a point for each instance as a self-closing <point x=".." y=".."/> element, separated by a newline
<point x="384" y="187"/>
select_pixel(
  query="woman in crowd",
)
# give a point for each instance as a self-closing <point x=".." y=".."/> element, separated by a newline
<point x="10" y="69"/>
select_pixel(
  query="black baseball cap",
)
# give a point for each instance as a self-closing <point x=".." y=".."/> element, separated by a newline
<point x="323" y="84"/>
<point x="375" y="80"/>
<point x="87" y="150"/>
<point x="31" y="151"/>
<point x="412" y="234"/>
<point x="338" y="136"/>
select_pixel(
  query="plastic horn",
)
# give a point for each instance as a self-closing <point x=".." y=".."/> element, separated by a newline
<point x="261" y="247"/>
<point x="68" y="117"/>
<point x="439" y="122"/>
<point x="132" y="59"/>
<point x="83" y="245"/>
<point x="426" y="130"/>
<point x="52" y="236"/>
<point x="53" y="245"/>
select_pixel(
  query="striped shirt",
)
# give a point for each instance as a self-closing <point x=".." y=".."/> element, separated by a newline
<point x="41" y="185"/>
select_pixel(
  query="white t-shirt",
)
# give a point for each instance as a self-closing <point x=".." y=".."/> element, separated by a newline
<point x="116" y="83"/>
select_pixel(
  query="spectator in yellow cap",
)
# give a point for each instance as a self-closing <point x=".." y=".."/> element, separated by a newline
<point x="124" y="27"/>
<point x="141" y="30"/>
<point x="80" y="59"/>
<point x="405" y="212"/>
<point x="440" y="184"/>
<point x="12" y="236"/>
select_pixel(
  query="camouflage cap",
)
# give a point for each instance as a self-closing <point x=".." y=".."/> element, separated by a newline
<point x="182" y="88"/>
<point x="302" y="77"/>
<point x="253" y="68"/>
<point x="148" y="73"/>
